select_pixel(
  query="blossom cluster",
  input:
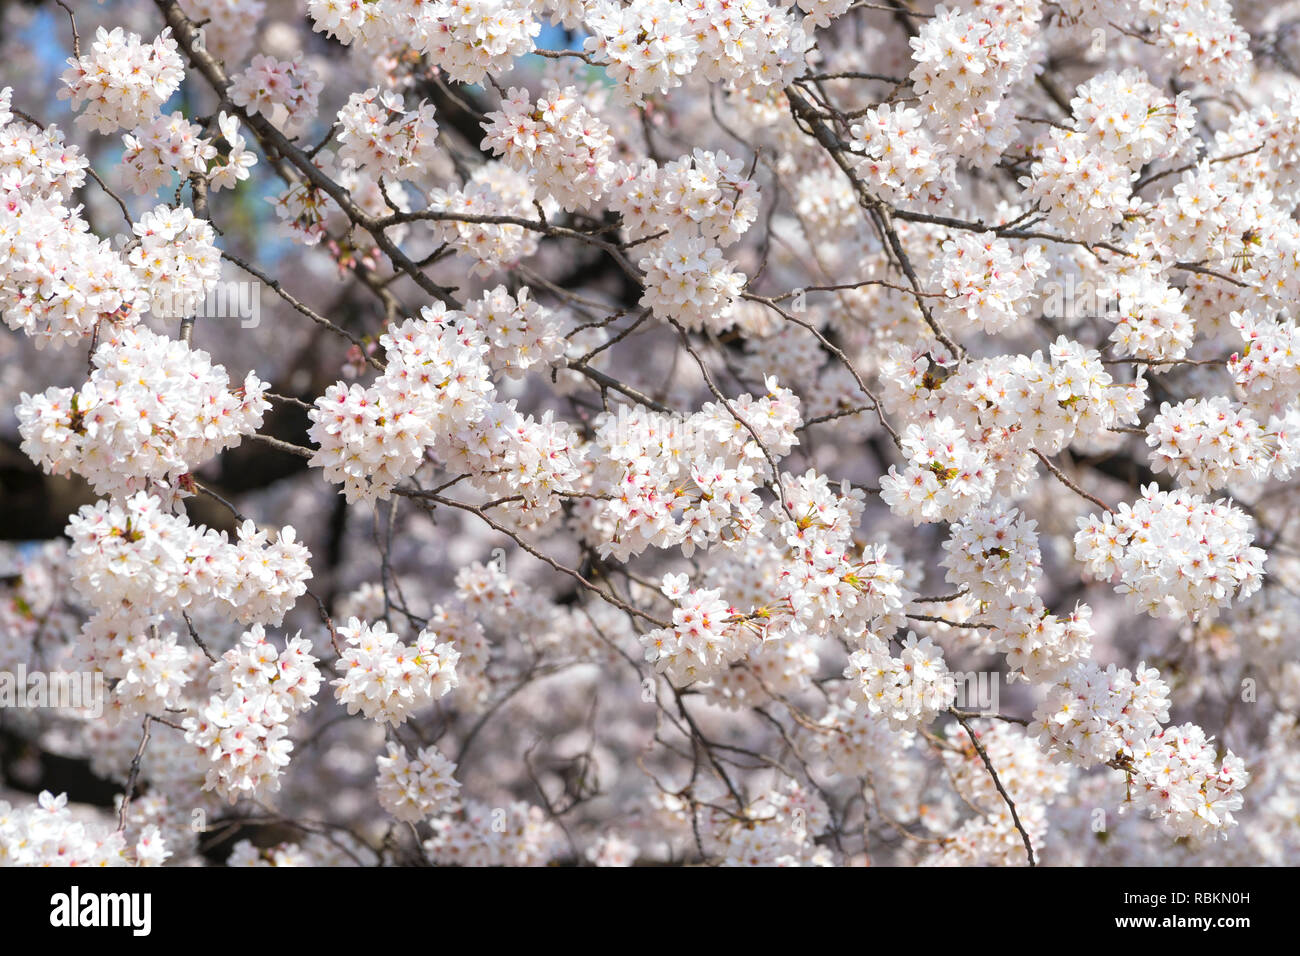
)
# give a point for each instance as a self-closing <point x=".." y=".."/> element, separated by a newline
<point x="908" y="690"/>
<point x="270" y="85"/>
<point x="778" y="829"/>
<point x="706" y="192"/>
<point x="1173" y="553"/>
<point x="48" y="833"/>
<point x="123" y="82"/>
<point x="434" y="387"/>
<point x="1115" y="717"/>
<point x="376" y="132"/>
<point x="946" y="475"/>
<point x="134" y="553"/>
<point x="513" y="835"/>
<point x="557" y="140"/>
<point x="167" y="144"/>
<point x="901" y="158"/>
<point x="691" y="282"/>
<point x="386" y="679"/>
<point x="242" y="731"/>
<point x="175" y="260"/>
<point x="495" y="191"/>
<point x="1210" y="443"/>
<point x="466" y="40"/>
<point x="58" y="279"/>
<point x="415" y="789"/>
<point x="191" y="410"/>
<point x="966" y="63"/>
<point x="985" y="283"/>
<point x="705" y="637"/>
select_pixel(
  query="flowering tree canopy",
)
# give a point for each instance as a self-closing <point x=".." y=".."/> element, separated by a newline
<point x="518" y="432"/>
